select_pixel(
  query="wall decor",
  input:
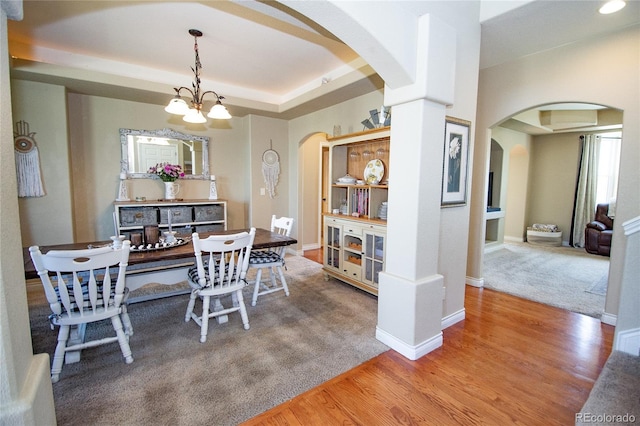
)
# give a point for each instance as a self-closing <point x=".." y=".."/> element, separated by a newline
<point x="456" y="155"/>
<point x="271" y="169"/>
<point x="27" y="162"/>
<point x="144" y="148"/>
<point x="377" y="119"/>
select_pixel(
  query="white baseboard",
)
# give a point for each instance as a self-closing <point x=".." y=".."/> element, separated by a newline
<point x="609" y="319"/>
<point x="474" y="282"/>
<point x="452" y="319"/>
<point x="628" y="341"/>
<point x="312" y="246"/>
<point x="514" y="239"/>
<point x="411" y="352"/>
<point x="491" y="247"/>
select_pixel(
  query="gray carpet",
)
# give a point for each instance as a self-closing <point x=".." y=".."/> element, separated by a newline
<point x="615" y="393"/>
<point x="322" y="330"/>
<point x="564" y="277"/>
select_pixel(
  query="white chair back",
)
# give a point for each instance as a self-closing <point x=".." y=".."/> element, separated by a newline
<point x="221" y="268"/>
<point x="228" y="253"/>
<point x="84" y="286"/>
<point x="282" y="226"/>
<point x="87" y="275"/>
<point x="272" y="260"/>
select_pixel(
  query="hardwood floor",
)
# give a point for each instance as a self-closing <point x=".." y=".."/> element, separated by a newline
<point x="315" y="255"/>
<point x="511" y="361"/>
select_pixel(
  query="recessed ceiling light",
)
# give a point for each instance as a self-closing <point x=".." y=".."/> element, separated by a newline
<point x="612" y="6"/>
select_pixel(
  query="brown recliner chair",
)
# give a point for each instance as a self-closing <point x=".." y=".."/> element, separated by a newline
<point x="598" y="233"/>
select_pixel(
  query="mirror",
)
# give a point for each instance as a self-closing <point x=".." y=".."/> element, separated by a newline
<point x="142" y="149"/>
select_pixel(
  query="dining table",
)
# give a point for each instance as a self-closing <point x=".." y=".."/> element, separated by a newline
<point x="164" y="265"/>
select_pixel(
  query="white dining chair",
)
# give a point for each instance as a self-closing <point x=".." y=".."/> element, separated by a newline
<point x="222" y="272"/>
<point x="82" y="287"/>
<point x="271" y="260"/>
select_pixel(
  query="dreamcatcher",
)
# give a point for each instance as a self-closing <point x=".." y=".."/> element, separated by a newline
<point x="270" y="169"/>
<point x="27" y="162"/>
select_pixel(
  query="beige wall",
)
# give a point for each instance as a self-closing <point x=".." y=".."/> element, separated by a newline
<point x="48" y="219"/>
<point x="515" y="221"/>
<point x="554" y="170"/>
<point x="268" y="133"/>
<point x="26" y="394"/>
<point x="87" y="167"/>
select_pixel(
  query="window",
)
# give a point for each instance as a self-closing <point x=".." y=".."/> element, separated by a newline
<point x="608" y="164"/>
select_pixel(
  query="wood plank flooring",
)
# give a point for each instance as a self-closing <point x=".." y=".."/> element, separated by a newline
<point x="511" y="361"/>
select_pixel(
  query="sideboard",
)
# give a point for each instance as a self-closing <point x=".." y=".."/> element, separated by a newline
<point x="183" y="216"/>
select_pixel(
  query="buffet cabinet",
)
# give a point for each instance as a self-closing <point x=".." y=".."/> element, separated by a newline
<point x="184" y="217"/>
<point x="359" y="173"/>
<point x="355" y="225"/>
<point x="354" y="251"/>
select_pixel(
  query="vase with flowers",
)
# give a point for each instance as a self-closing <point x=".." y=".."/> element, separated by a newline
<point x="168" y="173"/>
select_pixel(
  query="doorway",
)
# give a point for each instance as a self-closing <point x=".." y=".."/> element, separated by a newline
<point x="535" y="180"/>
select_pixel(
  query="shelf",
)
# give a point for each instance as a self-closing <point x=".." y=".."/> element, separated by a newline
<point x="374" y="221"/>
<point x="188" y="216"/>
<point x="494" y="215"/>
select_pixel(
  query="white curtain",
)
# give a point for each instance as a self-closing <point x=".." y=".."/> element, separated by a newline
<point x="585" y="202"/>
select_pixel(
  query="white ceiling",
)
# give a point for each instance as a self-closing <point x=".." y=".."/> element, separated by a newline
<point x="263" y="57"/>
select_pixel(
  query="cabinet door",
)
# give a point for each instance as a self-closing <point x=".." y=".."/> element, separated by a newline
<point x="352" y="254"/>
<point x="373" y="258"/>
<point x="332" y="244"/>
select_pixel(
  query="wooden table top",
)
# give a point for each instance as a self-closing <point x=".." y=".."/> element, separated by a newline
<point x="263" y="239"/>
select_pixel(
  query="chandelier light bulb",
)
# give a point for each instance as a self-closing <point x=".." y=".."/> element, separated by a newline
<point x="219" y="111"/>
<point x="177" y="106"/>
<point x="194" y="116"/>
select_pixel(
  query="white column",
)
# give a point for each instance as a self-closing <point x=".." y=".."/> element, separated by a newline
<point x="411" y="291"/>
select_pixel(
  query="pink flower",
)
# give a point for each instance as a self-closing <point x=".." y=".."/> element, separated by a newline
<point x="167" y="172"/>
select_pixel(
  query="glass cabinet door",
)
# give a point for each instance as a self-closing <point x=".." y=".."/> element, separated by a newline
<point x="332" y="246"/>
<point x="373" y="257"/>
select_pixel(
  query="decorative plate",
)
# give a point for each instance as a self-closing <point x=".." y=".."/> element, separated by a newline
<point x="374" y="171"/>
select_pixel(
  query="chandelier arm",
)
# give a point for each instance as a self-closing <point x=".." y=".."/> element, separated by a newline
<point x="218" y="97"/>
<point x="179" y="89"/>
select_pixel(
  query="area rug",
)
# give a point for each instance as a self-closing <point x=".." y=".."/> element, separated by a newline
<point x="564" y="277"/>
<point x="295" y="343"/>
<point x="615" y="395"/>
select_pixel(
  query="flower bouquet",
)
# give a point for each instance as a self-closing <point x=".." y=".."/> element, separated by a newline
<point x="167" y="172"/>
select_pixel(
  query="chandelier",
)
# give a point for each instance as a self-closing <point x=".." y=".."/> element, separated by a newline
<point x="193" y="114"/>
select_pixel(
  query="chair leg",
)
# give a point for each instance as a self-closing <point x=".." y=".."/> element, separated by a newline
<point x="58" y="356"/>
<point x="190" y="306"/>
<point x="123" y="339"/>
<point x="256" y="287"/>
<point x="272" y="277"/>
<point x="126" y="322"/>
<point x="243" y="310"/>
<point x="282" y="280"/>
<point x="204" y="328"/>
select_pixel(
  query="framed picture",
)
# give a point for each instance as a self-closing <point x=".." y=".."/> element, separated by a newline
<point x="456" y="157"/>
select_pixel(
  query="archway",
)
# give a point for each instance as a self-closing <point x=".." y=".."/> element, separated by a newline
<point x="539" y="173"/>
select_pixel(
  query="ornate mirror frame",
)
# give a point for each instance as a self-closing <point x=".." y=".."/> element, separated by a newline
<point x="162" y="133"/>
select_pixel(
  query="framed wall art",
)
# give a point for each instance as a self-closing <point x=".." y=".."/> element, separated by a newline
<point x="455" y="164"/>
